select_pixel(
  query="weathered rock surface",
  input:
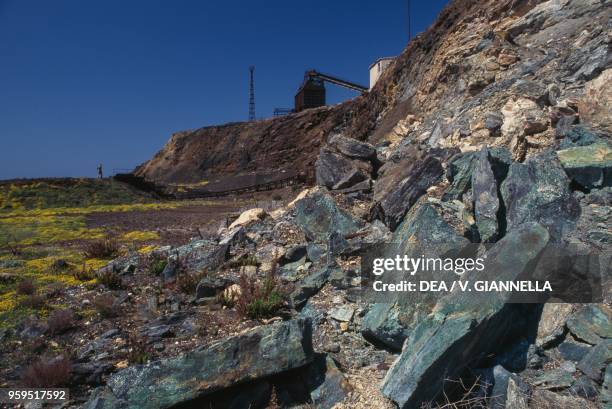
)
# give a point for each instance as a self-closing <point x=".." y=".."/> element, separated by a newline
<point x="318" y="216"/>
<point x="336" y="171"/>
<point x="538" y="191"/>
<point x="402" y="185"/>
<point x="247" y="217"/>
<point x="591" y="323"/>
<point x="254" y="354"/>
<point x="462" y="327"/>
<point x="353" y="148"/>
<point x="589" y="166"/>
<point x="423" y="232"/>
<point x="486" y="202"/>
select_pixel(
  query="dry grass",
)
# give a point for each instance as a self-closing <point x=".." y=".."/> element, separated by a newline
<point x="110" y="279"/>
<point x="469" y="396"/>
<point x="105" y="305"/>
<point x="106" y="247"/>
<point x="60" y="321"/>
<point x="48" y="373"/>
<point x="33" y="301"/>
<point x="187" y="282"/>
<point x="26" y="287"/>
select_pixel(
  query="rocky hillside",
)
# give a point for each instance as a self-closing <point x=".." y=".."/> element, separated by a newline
<point x="488" y="137"/>
<point x="289" y="142"/>
<point x="480" y="66"/>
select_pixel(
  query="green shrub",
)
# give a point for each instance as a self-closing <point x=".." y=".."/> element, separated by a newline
<point x="157" y="266"/>
<point x="260" y="299"/>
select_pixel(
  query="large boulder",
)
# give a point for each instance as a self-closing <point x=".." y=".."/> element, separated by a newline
<point x="596" y="360"/>
<point x="592" y="323"/>
<point x="318" y="216"/>
<point x="423" y="232"/>
<point x="353" y="148"/>
<point x="459" y="174"/>
<point x="249" y="216"/>
<point x="589" y="166"/>
<point x="254" y="354"/>
<point x="539" y="191"/>
<point x="463" y="327"/>
<point x="596" y="104"/>
<point x="336" y="171"/>
<point x="403" y="183"/>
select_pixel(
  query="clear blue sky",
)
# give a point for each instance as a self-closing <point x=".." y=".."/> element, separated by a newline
<point x="108" y="81"/>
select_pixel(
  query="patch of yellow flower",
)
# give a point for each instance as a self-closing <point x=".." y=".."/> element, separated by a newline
<point x="140" y="236"/>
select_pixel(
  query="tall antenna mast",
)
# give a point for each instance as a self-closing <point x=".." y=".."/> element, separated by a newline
<point x="252" y="94"/>
<point x="409" y="22"/>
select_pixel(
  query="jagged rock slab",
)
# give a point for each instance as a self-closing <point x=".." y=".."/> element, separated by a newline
<point x="403" y="184"/>
<point x="318" y="216"/>
<point x="459" y="174"/>
<point x="463" y="327"/>
<point x="505" y="389"/>
<point x="330" y="385"/>
<point x="592" y="323"/>
<point x="336" y="171"/>
<point x="353" y="148"/>
<point x="596" y="360"/>
<point x="538" y="191"/>
<point x="589" y="166"/>
<point x="486" y="202"/>
<point x="258" y="353"/>
<point x="423" y="232"/>
<point x="309" y="286"/>
<point x="606" y="387"/>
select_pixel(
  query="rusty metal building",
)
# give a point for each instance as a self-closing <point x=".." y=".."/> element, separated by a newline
<point x="311" y="94"/>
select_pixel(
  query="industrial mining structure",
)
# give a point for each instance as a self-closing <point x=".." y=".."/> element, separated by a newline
<point x="311" y="93"/>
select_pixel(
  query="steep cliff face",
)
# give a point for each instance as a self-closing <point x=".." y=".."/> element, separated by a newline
<point x="290" y="142"/>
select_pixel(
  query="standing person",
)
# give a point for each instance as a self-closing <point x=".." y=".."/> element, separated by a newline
<point x="100" y="175"/>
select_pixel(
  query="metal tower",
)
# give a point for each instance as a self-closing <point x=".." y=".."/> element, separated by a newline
<point x="252" y="95"/>
<point x="409" y="22"/>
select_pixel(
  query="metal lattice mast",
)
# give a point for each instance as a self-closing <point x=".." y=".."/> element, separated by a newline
<point x="409" y="22"/>
<point x="252" y="95"/>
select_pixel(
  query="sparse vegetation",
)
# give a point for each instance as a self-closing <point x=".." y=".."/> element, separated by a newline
<point x="84" y="273"/>
<point x="106" y="247"/>
<point x="139" y="352"/>
<point x="260" y="299"/>
<point x="26" y="287"/>
<point x="33" y="301"/>
<point x="48" y="373"/>
<point x="246" y="260"/>
<point x="187" y="282"/>
<point x="105" y="305"/>
<point x="110" y="279"/>
<point x="60" y="321"/>
<point x="157" y="265"/>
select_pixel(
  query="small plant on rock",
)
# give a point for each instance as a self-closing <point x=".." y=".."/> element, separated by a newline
<point x="138" y="353"/>
<point x="260" y="299"/>
<point x="48" y="373"/>
<point x="157" y="266"/>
